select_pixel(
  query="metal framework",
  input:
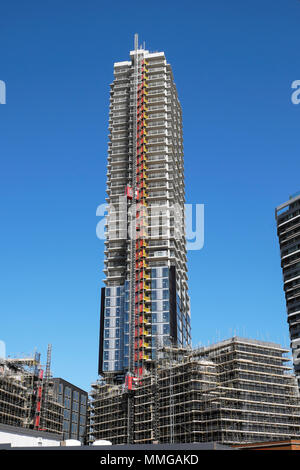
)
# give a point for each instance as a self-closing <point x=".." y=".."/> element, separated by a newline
<point x="22" y="396"/>
<point x="235" y="391"/>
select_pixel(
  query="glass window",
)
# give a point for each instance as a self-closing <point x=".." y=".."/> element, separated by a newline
<point x="165" y="305"/>
<point x="154" y="329"/>
<point x="67" y="403"/>
<point x="83" y="399"/>
<point x="66" y="426"/>
<point x="153" y="306"/>
<point x="74" y="429"/>
<point x="166" y="316"/>
<point x="66" y="414"/>
<point x="153" y="273"/>
<point x="106" y="355"/>
<point x="105" y="366"/>
<point x="81" y="431"/>
<point x="68" y="392"/>
<point x="165" y="272"/>
<point x="107" y="302"/>
<point x="153" y="284"/>
<point x="153" y="295"/>
<point x="82" y="420"/>
<point x="165" y="283"/>
<point x="107" y="312"/>
<point x="82" y="409"/>
<point x="106" y="344"/>
<point x="166" y="329"/>
<point x="60" y="388"/>
<point x="75" y="417"/>
<point x="107" y="292"/>
<point x="165" y="294"/>
<point x="106" y="323"/>
<point x="75" y="406"/>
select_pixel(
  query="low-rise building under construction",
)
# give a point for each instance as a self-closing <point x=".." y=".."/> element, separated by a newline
<point x="235" y="391"/>
<point x="26" y="396"/>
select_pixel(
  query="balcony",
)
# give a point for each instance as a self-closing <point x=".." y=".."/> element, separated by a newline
<point x="158" y="194"/>
<point x="115" y="160"/>
<point x="155" y="108"/>
<point x="153" y="150"/>
<point x="158" y="132"/>
<point x="156" y="84"/>
<point x="163" y="184"/>
<point x="159" y="254"/>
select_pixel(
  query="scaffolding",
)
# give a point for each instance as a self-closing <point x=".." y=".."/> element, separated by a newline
<point x="22" y="396"/>
<point x="236" y="391"/>
<point x="110" y="406"/>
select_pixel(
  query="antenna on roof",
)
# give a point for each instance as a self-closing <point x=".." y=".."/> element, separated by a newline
<point x="136" y="41"/>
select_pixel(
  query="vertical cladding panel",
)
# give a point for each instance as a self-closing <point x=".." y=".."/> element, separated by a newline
<point x="100" y="363"/>
<point x="173" y="304"/>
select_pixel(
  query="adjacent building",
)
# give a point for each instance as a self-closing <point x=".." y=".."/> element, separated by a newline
<point x="145" y="303"/>
<point x="288" y="230"/>
<point x="75" y="403"/>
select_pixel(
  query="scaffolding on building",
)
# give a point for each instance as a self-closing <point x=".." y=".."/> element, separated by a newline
<point x="235" y="391"/>
<point x="22" y="395"/>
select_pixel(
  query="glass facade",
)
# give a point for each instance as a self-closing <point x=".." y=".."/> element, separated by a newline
<point x="75" y="409"/>
<point x="116" y="321"/>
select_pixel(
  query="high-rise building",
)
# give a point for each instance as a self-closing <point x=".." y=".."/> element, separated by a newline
<point x="288" y="230"/>
<point x="145" y="303"/>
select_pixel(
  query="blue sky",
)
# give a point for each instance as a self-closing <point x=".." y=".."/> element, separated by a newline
<point x="233" y="64"/>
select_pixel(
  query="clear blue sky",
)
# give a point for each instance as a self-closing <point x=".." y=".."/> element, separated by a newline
<point x="233" y="63"/>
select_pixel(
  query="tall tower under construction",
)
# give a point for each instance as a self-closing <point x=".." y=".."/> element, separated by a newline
<point x="288" y="230"/>
<point x="145" y="303"/>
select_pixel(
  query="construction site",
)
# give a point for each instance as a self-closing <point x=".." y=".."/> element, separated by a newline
<point x="235" y="391"/>
<point x="27" y="398"/>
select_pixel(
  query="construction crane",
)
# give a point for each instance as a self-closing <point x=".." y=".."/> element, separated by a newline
<point x="45" y="389"/>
